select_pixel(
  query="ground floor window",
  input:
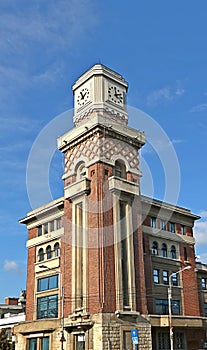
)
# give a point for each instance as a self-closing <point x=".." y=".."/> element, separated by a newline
<point x="45" y="343"/>
<point x="80" y="342"/>
<point x="38" y="343"/>
<point x="32" y="344"/>
<point x="179" y="342"/>
<point x="164" y="341"/>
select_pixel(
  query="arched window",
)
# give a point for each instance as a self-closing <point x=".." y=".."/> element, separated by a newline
<point x="49" y="252"/>
<point x="120" y="169"/>
<point x="57" y="249"/>
<point x="81" y="171"/>
<point x="164" y="250"/>
<point x="41" y="254"/>
<point x="155" y="248"/>
<point x="173" y="252"/>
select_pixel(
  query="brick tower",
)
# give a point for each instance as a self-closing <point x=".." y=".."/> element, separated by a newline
<point x="102" y="214"/>
<point x="103" y="260"/>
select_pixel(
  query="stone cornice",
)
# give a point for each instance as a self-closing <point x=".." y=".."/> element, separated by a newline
<point x="99" y="124"/>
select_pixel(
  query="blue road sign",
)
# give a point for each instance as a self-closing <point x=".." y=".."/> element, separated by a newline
<point x="135" y="336"/>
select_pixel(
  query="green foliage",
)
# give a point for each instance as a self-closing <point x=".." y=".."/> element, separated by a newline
<point x="5" y="344"/>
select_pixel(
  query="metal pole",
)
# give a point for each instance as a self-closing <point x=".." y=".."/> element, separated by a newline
<point x="170" y="311"/>
<point x="170" y="303"/>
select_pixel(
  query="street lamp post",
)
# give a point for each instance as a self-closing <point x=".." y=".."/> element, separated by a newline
<point x="170" y="304"/>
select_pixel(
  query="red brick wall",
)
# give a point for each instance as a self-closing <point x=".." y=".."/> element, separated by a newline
<point x="101" y="253"/>
<point x="190" y="286"/>
<point x="30" y="284"/>
<point x="32" y="233"/>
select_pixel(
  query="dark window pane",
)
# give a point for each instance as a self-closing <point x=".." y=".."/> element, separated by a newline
<point x="41" y="254"/>
<point x="52" y="225"/>
<point x="175" y="306"/>
<point x="47" y="307"/>
<point x="153" y="222"/>
<point x="45" y="343"/>
<point x="203" y="283"/>
<point x="39" y="231"/>
<point x="175" y="279"/>
<point x="33" y="344"/>
<point x="156" y="276"/>
<point x="164" y="250"/>
<point x="47" y="283"/>
<point x="59" y="223"/>
<point x="165" y="277"/>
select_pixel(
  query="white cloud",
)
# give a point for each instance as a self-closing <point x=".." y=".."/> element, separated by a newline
<point x="200" y="231"/>
<point x="203" y="258"/>
<point x="11" y="265"/>
<point x="165" y="95"/>
<point x="34" y="37"/>
<point x="199" y="108"/>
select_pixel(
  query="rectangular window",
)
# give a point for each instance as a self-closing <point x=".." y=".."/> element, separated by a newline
<point x="163" y="225"/>
<point x="203" y="283"/>
<point x="153" y="222"/>
<point x="172" y="227"/>
<point x="161" y="306"/>
<point x="182" y="229"/>
<point x="185" y="254"/>
<point x="59" y="223"/>
<point x="52" y="226"/>
<point x="80" y="342"/>
<point x="39" y="231"/>
<point x="179" y="340"/>
<point x="205" y="309"/>
<point x="163" y="341"/>
<point x="38" y="343"/>
<point x="45" y="343"/>
<point x="174" y="279"/>
<point x="47" y="307"/>
<point x="175" y="307"/>
<point x="165" y="277"/>
<point x="45" y="228"/>
<point x="156" y="276"/>
<point x="32" y="344"/>
<point x="47" y="283"/>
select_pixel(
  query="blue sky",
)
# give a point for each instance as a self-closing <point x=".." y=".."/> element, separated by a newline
<point x="160" y="49"/>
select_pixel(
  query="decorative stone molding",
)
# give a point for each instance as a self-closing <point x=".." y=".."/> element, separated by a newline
<point x="77" y="189"/>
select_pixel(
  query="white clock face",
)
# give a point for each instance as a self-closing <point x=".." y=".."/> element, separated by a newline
<point x="83" y="97"/>
<point x="116" y="95"/>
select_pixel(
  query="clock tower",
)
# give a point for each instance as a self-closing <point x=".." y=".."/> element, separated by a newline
<point x="102" y="211"/>
<point x="100" y="90"/>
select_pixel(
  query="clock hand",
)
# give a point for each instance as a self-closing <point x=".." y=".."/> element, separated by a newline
<point x="118" y="95"/>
